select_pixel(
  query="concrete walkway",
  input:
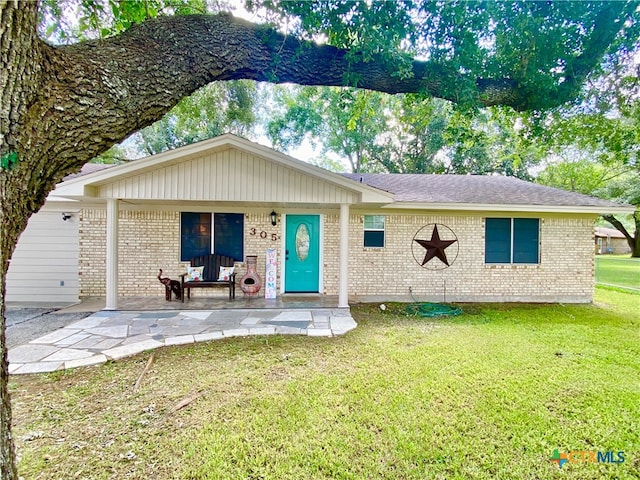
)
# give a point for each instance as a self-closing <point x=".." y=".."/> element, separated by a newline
<point x="110" y="335"/>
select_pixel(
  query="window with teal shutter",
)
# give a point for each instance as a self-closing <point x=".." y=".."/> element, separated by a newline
<point x="497" y="240"/>
<point x="526" y="240"/>
<point x="512" y="240"/>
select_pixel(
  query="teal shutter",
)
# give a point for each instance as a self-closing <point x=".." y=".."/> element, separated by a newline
<point x="373" y="239"/>
<point x="497" y="240"/>
<point x="526" y="240"/>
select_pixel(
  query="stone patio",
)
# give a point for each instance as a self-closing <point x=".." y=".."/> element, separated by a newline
<point x="110" y="335"/>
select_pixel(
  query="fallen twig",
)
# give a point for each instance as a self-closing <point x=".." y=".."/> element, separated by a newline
<point x="144" y="371"/>
<point x="192" y="397"/>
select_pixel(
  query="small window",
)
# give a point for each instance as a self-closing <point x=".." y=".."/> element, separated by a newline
<point x="512" y="240"/>
<point x="374" y="230"/>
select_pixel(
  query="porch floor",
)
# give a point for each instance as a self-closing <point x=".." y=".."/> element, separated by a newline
<point x="241" y="302"/>
<point x="146" y="323"/>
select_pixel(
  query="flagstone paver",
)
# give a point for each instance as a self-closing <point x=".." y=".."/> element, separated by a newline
<point x="205" y="337"/>
<point x="57" y="336"/>
<point x="66" y="354"/>
<point x="86" y="362"/>
<point x="39" y="367"/>
<point x="31" y="353"/>
<point x="262" y="330"/>
<point x="111" y="335"/>
<point x="180" y="340"/>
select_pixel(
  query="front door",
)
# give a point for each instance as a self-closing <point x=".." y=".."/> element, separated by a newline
<point x="302" y="253"/>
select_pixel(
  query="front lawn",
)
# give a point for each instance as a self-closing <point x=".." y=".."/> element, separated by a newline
<point x="489" y="394"/>
<point x="620" y="271"/>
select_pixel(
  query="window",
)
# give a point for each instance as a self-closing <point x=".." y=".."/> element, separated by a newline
<point x="512" y="240"/>
<point x="374" y="230"/>
<point x="205" y="233"/>
<point x="228" y="235"/>
<point x="195" y="235"/>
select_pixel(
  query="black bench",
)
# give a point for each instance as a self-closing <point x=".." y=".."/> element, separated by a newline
<point x="211" y="264"/>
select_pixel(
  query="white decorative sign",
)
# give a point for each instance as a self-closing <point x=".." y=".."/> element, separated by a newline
<point x="270" y="277"/>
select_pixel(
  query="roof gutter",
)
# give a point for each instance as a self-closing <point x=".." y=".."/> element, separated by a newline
<point x="602" y="210"/>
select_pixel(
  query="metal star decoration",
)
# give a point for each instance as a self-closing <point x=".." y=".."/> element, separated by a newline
<point x="435" y="247"/>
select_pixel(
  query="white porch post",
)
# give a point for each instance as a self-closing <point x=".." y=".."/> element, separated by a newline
<point x="112" y="255"/>
<point x="343" y="285"/>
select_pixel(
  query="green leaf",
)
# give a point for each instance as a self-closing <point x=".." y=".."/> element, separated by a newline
<point x="9" y="160"/>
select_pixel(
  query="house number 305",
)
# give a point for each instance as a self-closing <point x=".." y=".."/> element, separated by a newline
<point x="263" y="234"/>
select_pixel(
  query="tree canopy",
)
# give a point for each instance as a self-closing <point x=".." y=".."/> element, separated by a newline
<point x="597" y="146"/>
<point x="405" y="133"/>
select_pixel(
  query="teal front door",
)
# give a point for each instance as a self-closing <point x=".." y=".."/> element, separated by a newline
<point x="302" y="253"/>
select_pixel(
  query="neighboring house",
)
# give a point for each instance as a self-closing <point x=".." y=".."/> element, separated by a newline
<point x="357" y="236"/>
<point x="610" y="241"/>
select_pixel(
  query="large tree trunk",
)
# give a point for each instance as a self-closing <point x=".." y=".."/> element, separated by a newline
<point x="7" y="453"/>
<point x="20" y="191"/>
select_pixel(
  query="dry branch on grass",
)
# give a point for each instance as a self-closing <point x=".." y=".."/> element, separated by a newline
<point x="143" y="373"/>
<point x="186" y="401"/>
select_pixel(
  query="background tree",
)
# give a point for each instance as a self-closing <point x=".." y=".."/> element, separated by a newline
<point x="404" y="133"/>
<point x="345" y="122"/>
<point x="213" y="110"/>
<point x="62" y="105"/>
<point x="491" y="140"/>
<point x="598" y="147"/>
<point x="415" y="134"/>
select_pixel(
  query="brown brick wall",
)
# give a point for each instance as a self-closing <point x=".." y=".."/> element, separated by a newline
<point x="565" y="271"/>
<point x="147" y="241"/>
<point x="151" y="240"/>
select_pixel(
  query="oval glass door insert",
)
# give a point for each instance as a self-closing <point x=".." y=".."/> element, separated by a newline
<point x="302" y="242"/>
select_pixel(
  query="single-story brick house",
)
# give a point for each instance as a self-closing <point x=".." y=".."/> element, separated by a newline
<point x="357" y="236"/>
<point x="610" y="241"/>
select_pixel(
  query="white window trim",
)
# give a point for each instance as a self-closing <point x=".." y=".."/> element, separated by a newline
<point x="383" y="230"/>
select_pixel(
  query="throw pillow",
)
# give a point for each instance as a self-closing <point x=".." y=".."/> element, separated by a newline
<point x="225" y="273"/>
<point x="194" y="274"/>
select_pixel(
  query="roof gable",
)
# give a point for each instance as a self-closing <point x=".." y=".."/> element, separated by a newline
<point x="226" y="168"/>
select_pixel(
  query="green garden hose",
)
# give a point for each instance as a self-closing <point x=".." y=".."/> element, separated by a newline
<point x="429" y="309"/>
<point x="426" y="309"/>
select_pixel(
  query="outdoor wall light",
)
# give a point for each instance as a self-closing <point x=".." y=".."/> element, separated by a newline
<point x="66" y="216"/>
<point x="274" y="217"/>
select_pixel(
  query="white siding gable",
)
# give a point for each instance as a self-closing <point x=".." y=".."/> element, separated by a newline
<point x="228" y="175"/>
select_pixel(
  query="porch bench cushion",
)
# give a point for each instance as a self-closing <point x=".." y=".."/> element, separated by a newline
<point x="211" y="264"/>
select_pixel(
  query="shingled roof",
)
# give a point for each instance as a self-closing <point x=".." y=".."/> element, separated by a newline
<point x="88" y="168"/>
<point x="475" y="189"/>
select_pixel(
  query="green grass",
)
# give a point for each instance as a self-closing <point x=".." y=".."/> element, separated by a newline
<point x="619" y="271"/>
<point x="488" y="394"/>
